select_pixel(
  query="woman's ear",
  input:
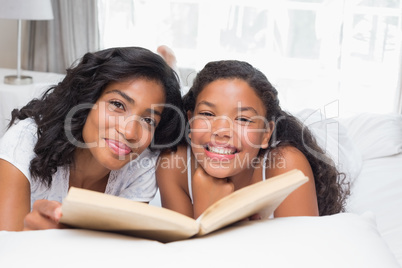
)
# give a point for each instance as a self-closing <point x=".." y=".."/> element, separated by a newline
<point x="267" y="135"/>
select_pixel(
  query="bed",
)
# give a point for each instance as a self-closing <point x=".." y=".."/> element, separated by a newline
<point x="369" y="234"/>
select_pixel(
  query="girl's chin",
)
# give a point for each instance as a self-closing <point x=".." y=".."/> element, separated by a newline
<point x="218" y="172"/>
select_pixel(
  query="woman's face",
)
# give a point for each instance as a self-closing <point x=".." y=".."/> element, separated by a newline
<point x="228" y="127"/>
<point x="122" y="122"/>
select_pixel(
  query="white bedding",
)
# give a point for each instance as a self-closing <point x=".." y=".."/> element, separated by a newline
<point x="343" y="240"/>
<point x="368" y="235"/>
<point x="379" y="189"/>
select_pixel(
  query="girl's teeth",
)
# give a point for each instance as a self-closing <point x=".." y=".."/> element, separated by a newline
<point x="221" y="150"/>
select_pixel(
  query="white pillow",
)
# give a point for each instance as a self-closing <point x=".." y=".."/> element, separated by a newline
<point x="376" y="135"/>
<point x="333" y="138"/>
<point x="379" y="189"/>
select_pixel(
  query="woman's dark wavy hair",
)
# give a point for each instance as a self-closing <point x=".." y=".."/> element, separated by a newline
<point x="331" y="186"/>
<point x="84" y="84"/>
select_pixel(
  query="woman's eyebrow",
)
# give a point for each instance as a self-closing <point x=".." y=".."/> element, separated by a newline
<point x="121" y="93"/>
<point x="152" y="111"/>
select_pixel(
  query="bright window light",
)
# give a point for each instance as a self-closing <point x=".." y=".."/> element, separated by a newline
<point x="316" y="52"/>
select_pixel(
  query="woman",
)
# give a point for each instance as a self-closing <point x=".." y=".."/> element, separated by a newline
<point x="93" y="130"/>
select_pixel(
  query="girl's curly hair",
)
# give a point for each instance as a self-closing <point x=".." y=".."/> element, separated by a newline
<point x="331" y="186"/>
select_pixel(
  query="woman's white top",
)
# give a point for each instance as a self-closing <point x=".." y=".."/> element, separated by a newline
<point x="136" y="180"/>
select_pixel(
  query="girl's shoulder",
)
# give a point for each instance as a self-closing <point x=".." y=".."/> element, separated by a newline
<point x="176" y="159"/>
<point x="286" y="151"/>
<point x="285" y="158"/>
<point x="173" y="165"/>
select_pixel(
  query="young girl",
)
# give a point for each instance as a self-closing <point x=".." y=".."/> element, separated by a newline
<point x="95" y="130"/>
<point x="239" y="135"/>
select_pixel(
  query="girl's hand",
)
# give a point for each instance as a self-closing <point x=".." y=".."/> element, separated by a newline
<point x="207" y="190"/>
<point x="45" y="214"/>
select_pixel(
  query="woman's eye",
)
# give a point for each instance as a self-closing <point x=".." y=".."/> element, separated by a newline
<point x="116" y="104"/>
<point x="149" y="121"/>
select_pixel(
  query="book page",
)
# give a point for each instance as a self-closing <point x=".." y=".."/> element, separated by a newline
<point x="98" y="211"/>
<point x="265" y="195"/>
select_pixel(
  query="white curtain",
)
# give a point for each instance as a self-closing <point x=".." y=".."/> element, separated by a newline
<point x="54" y="45"/>
<point x="398" y="99"/>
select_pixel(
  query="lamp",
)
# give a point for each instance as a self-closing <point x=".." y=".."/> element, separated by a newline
<point x="24" y="10"/>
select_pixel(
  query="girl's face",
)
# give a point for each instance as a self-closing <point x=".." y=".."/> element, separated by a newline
<point x="122" y="122"/>
<point x="228" y="127"/>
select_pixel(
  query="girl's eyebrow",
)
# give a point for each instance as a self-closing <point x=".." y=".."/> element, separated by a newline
<point x="240" y="109"/>
<point x="206" y="103"/>
<point x="122" y="94"/>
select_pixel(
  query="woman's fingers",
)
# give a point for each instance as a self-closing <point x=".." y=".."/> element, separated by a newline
<point x="45" y="214"/>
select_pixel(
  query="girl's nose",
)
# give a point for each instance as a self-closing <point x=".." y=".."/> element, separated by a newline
<point x="222" y="127"/>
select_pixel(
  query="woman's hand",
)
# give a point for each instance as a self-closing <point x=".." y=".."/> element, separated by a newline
<point x="207" y="190"/>
<point x="45" y="214"/>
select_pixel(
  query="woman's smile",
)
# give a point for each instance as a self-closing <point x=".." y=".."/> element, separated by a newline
<point x="118" y="148"/>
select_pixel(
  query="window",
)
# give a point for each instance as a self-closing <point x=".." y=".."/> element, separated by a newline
<point x="316" y="52"/>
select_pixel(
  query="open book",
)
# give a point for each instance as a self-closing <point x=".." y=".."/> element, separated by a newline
<point x="98" y="211"/>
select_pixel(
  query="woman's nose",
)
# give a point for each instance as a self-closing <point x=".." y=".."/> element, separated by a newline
<point x="130" y="128"/>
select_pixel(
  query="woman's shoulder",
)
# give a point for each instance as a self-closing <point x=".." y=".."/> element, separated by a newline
<point x="27" y="125"/>
<point x="21" y="131"/>
<point x="17" y="145"/>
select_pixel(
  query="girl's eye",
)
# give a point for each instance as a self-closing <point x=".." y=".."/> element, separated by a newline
<point x="116" y="105"/>
<point x="149" y="121"/>
<point x="244" y="119"/>
<point x="206" y="114"/>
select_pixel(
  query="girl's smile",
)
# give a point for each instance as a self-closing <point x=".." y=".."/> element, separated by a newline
<point x="220" y="152"/>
